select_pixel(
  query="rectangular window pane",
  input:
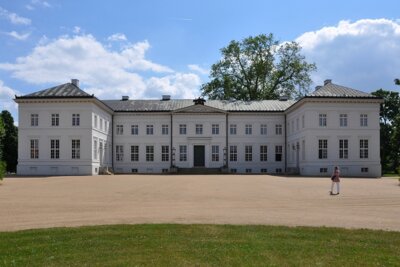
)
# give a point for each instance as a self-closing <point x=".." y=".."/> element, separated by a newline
<point x="343" y="149"/>
<point x="263" y="153"/>
<point x="215" y="153"/>
<point x="343" y="120"/>
<point x="164" y="153"/>
<point x="249" y="129"/>
<point x="34" y="148"/>
<point x="134" y="153"/>
<point x="76" y="149"/>
<point x="233" y="153"/>
<point x="165" y="129"/>
<point x="199" y="128"/>
<point x="363" y="149"/>
<point x="248" y="153"/>
<point x="278" y="129"/>
<point x="149" y="129"/>
<point x="278" y="153"/>
<point x="363" y="120"/>
<point x="215" y="129"/>
<point x="322" y="120"/>
<point x="263" y="129"/>
<point x="54" y="149"/>
<point x="322" y="149"/>
<point x="232" y="129"/>
<point x="120" y="129"/>
<point x="134" y="129"/>
<point x="182" y="153"/>
<point x="182" y="129"/>
<point x="34" y="119"/>
<point x="149" y="153"/>
<point x="55" y="119"/>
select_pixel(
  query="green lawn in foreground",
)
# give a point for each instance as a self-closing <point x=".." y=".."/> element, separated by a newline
<point x="199" y="245"/>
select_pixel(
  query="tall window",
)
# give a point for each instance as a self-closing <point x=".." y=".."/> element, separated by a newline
<point x="34" y="148"/>
<point x="263" y="129"/>
<point x="149" y="153"/>
<point x="302" y="122"/>
<point x="182" y="129"/>
<point x="199" y="128"/>
<point x="343" y="149"/>
<point x="134" y="129"/>
<point x="95" y="149"/>
<point x="322" y="120"/>
<point x="55" y="119"/>
<point x="248" y="150"/>
<point x="263" y="153"/>
<point x="363" y="120"/>
<point x="101" y="124"/>
<point x="249" y="129"/>
<point x="164" y="129"/>
<point x="164" y="153"/>
<point x="215" y="129"/>
<point x="182" y="153"/>
<point x="278" y="129"/>
<point x="34" y="119"/>
<point x="363" y="149"/>
<point x="149" y="129"/>
<point x="54" y="148"/>
<point x="215" y="153"/>
<point x="303" y="151"/>
<point x="76" y="149"/>
<point x="297" y="124"/>
<point x="233" y="153"/>
<point x="343" y="120"/>
<point x="120" y="129"/>
<point x="134" y="153"/>
<point x="278" y="153"/>
<point x="75" y="120"/>
<point x="322" y="149"/>
<point x="119" y="153"/>
<point x="95" y="121"/>
<point x="232" y="129"/>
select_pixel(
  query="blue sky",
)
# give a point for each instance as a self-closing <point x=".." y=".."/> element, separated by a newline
<point x="148" y="48"/>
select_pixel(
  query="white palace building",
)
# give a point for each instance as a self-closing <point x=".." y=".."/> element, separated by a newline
<point x="65" y="131"/>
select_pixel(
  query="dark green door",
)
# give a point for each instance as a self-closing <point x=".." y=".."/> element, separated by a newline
<point x="198" y="152"/>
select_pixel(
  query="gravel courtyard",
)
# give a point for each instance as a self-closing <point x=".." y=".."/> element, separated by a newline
<point x="41" y="202"/>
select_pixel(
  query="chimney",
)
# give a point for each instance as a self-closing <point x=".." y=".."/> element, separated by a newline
<point x="125" y="98"/>
<point x="318" y="87"/>
<point x="327" y="81"/>
<point x="75" y="82"/>
<point x="166" y="97"/>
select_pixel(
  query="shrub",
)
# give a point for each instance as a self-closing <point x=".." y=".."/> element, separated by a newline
<point x="2" y="169"/>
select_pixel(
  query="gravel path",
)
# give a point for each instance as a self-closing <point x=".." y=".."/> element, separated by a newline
<point x="43" y="202"/>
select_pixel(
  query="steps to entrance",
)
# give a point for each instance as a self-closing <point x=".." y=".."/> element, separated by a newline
<point x="199" y="170"/>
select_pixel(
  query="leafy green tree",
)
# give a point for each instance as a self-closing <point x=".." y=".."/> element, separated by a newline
<point x="10" y="141"/>
<point x="2" y="163"/>
<point x="259" y="68"/>
<point x="397" y="81"/>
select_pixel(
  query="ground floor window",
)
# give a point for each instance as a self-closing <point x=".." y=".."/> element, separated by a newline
<point x="34" y="148"/>
<point x="363" y="149"/>
<point x="278" y="153"/>
<point x="134" y="153"/>
<point x="182" y="153"/>
<point x="119" y="153"/>
<point x="322" y="149"/>
<point x="233" y="153"/>
<point x="323" y="170"/>
<point x="343" y="148"/>
<point x="215" y="153"/>
<point x="164" y="153"/>
<point x="248" y="153"/>
<point x="263" y="153"/>
<point x="76" y="149"/>
<point x="54" y="148"/>
<point x="264" y="170"/>
<point x="149" y="153"/>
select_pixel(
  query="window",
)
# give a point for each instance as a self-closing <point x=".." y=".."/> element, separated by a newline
<point x="278" y="153"/>
<point x="164" y="129"/>
<point x="323" y="170"/>
<point x="34" y="119"/>
<point x="182" y="153"/>
<point x="134" y="153"/>
<point x="363" y="120"/>
<point x="75" y="119"/>
<point x="106" y="126"/>
<point x="297" y="124"/>
<point x="149" y="153"/>
<point x="364" y="170"/>
<point x="95" y="121"/>
<point x="55" y="119"/>
<point x="233" y="153"/>
<point x="199" y="128"/>
<point x="303" y="151"/>
<point x="215" y="153"/>
<point x="54" y="149"/>
<point x="248" y="171"/>
<point x="263" y="129"/>
<point x="134" y="129"/>
<point x="248" y="156"/>
<point x="76" y="149"/>
<point x="215" y="129"/>
<point x="149" y="129"/>
<point x="101" y="124"/>
<point x="343" y="120"/>
<point x="164" y="170"/>
<point x="363" y="149"/>
<point x="232" y="129"/>
<point x="233" y="170"/>
<point x="182" y="129"/>
<point x="263" y="153"/>
<point x="120" y="129"/>
<point x="322" y="120"/>
<point x="94" y="149"/>
<point x="164" y="153"/>
<point x="302" y="122"/>
<point x="134" y="170"/>
<point x="343" y="149"/>
<point x="278" y="129"/>
<point x="264" y="170"/>
<point x="322" y="149"/>
<point x="249" y="129"/>
<point x="34" y="148"/>
<point x="119" y="153"/>
<point x="278" y="170"/>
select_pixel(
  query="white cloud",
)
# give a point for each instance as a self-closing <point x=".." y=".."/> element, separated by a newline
<point x="76" y="30"/>
<point x="37" y="3"/>
<point x="106" y="73"/>
<point x="117" y="37"/>
<point x="198" y="69"/>
<point x="6" y="98"/>
<point x="14" y="18"/>
<point x="363" y="54"/>
<point x="18" y="36"/>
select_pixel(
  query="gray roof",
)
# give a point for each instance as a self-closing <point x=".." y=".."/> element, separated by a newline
<point x="67" y="90"/>
<point x="176" y="104"/>
<point x="333" y="90"/>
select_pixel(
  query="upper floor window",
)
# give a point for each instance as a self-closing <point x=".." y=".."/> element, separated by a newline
<point x="134" y="129"/>
<point x="34" y="119"/>
<point x="76" y="149"/>
<point x="249" y="129"/>
<point x="322" y="149"/>
<point x="232" y="129"/>
<point x="278" y="129"/>
<point x="55" y="119"/>
<point x="302" y="121"/>
<point x="120" y="129"/>
<point x="76" y="120"/>
<point x="34" y="148"/>
<point x="343" y="120"/>
<point x="199" y="128"/>
<point x="322" y="120"/>
<point x="297" y="124"/>
<point x="363" y="120"/>
<point x="149" y="129"/>
<point x="215" y="129"/>
<point x="101" y="124"/>
<point x="165" y="129"/>
<point x="182" y="129"/>
<point x="106" y="126"/>
<point x="263" y="129"/>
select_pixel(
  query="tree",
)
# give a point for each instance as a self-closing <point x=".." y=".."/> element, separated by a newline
<point x="397" y="81"/>
<point x="10" y="141"/>
<point x="259" y="68"/>
<point x="2" y="163"/>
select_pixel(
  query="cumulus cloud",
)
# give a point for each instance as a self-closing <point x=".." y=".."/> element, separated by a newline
<point x="18" y="36"/>
<point x="106" y="73"/>
<point x="14" y="18"/>
<point x="6" y="98"/>
<point x="198" y="69"/>
<point x="37" y="3"/>
<point x="117" y="37"/>
<point x="363" y="54"/>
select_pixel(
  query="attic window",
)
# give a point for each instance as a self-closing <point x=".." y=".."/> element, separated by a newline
<point x="199" y="101"/>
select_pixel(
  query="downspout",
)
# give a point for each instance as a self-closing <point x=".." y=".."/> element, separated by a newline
<point x="285" y="145"/>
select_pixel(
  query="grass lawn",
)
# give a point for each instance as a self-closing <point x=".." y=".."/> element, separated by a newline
<point x="199" y="245"/>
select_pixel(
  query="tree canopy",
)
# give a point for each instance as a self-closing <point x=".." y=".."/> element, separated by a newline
<point x="258" y="68"/>
<point x="9" y="141"/>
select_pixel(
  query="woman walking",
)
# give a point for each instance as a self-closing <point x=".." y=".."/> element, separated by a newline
<point x="335" y="180"/>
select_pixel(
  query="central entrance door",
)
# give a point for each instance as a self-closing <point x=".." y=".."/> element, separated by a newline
<point x="198" y="152"/>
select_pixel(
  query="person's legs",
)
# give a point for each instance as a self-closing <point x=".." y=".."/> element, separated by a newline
<point x="332" y="187"/>
<point x="337" y="188"/>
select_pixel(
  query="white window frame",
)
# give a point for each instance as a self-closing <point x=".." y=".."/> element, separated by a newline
<point x="55" y="119"/>
<point x="215" y="153"/>
<point x="149" y="129"/>
<point x="215" y="129"/>
<point x="134" y="129"/>
<point x="119" y="153"/>
<point x="182" y="153"/>
<point x="278" y="153"/>
<point x="182" y="129"/>
<point x="232" y="129"/>
<point x="343" y="148"/>
<point x="34" y="120"/>
<point x="34" y="148"/>
<point x="322" y="120"/>
<point x="54" y="148"/>
<point x="76" y="119"/>
<point x="322" y="148"/>
<point x="248" y="153"/>
<point x="343" y="120"/>
<point x="263" y="153"/>
<point x="75" y="148"/>
<point x="149" y="153"/>
<point x="120" y="129"/>
<point x="164" y="153"/>
<point x="278" y="129"/>
<point x="165" y="129"/>
<point x="233" y="153"/>
<point x="263" y="129"/>
<point x="364" y="147"/>
<point x="199" y="129"/>
<point x="248" y="129"/>
<point x="134" y="153"/>
<point x="363" y="120"/>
